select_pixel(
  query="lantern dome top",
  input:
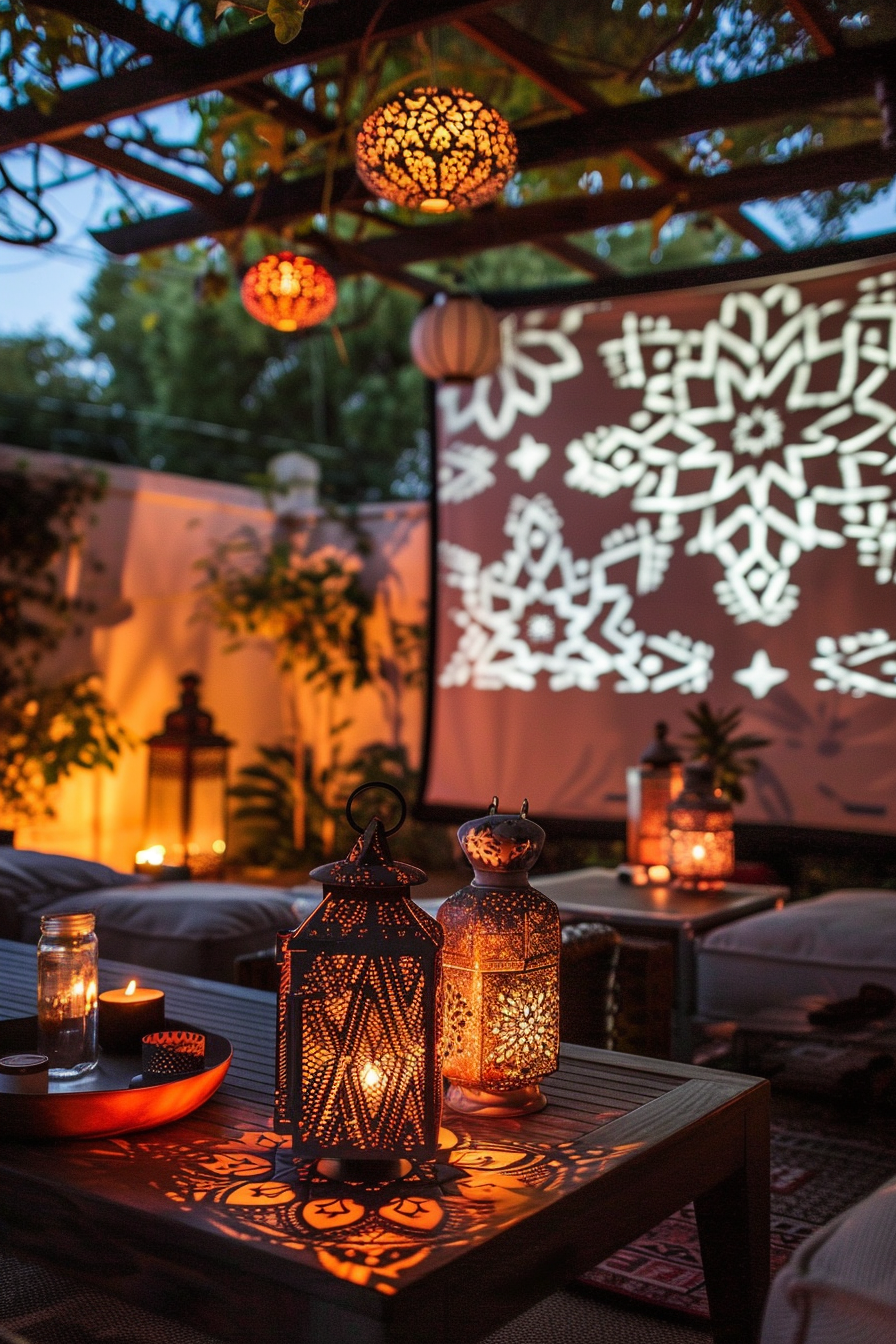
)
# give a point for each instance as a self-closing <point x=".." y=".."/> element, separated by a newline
<point x="369" y="863"/>
<point x="502" y="842"/>
<point x="189" y="724"/>
<point x="700" y="789"/>
<point x="661" y="751"/>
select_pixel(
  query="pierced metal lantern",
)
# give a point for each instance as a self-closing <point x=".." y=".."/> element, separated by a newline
<point x="501" y="1029"/>
<point x="358" y="1015"/>
<point x="288" y="292"/>
<point x="701" y="831"/>
<point x="652" y="785"/>
<point x="435" y="150"/>
<point x="186" y="805"/>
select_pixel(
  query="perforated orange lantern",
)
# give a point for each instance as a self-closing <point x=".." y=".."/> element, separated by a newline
<point x="456" y="339"/>
<point x="501" y="1031"/>
<point x="358" y="1017"/>
<point x="652" y="785"/>
<point x="435" y="150"/>
<point x="701" y="831"/>
<point x="288" y="292"/>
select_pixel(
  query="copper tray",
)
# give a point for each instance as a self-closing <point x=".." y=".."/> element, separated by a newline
<point x="103" y="1102"/>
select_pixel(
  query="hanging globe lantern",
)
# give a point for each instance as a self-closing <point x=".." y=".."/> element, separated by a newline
<point x="288" y="292"/>
<point x="436" y="150"/>
<point x="457" y="339"/>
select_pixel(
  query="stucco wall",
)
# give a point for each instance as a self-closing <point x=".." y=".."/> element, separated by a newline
<point x="149" y="533"/>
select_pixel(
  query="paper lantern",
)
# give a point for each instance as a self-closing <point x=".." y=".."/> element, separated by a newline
<point x="501" y="1031"/>
<point x="701" y="834"/>
<point x="456" y="339"/>
<point x="288" y="292"/>
<point x="652" y="785"/>
<point x="186" y="806"/>
<point x="435" y="150"/>
<point x="358" y="1016"/>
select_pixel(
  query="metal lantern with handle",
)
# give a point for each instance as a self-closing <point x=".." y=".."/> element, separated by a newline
<point x="501" y="972"/>
<point x="701" y="831"/>
<point x="359" y="1082"/>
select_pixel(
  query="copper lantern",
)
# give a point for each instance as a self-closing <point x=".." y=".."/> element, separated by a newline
<point x="652" y="785"/>
<point x="186" y="806"/>
<point x="501" y="1029"/>
<point x="435" y="150"/>
<point x="701" y="831"/>
<point x="288" y="292"/>
<point x="358" y="1015"/>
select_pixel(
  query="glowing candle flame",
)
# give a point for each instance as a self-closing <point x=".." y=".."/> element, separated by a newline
<point x="371" y="1076"/>
<point x="132" y="985"/>
<point x="699" y="852"/>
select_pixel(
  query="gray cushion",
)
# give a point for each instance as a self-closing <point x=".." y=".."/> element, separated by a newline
<point x="30" y="881"/>
<point x="195" y="928"/>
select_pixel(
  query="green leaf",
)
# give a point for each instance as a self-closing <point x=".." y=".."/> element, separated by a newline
<point x="286" y="16"/>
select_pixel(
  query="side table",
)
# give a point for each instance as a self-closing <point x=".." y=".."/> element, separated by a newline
<point x="665" y="912"/>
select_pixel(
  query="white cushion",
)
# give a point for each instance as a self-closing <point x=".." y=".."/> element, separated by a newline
<point x="195" y="928"/>
<point x="30" y="880"/>
<point x="840" y="1286"/>
<point x="829" y="946"/>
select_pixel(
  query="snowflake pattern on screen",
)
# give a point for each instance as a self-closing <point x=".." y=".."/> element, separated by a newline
<point x="847" y="664"/>
<point x="757" y="485"/>
<point x="540" y="610"/>
<point x="465" y="470"/>
<point x="533" y="359"/>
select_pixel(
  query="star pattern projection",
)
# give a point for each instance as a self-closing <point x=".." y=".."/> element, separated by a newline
<point x="539" y="610"/>
<point x="721" y="469"/>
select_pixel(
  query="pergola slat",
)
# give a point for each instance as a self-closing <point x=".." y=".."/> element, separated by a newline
<point x="503" y="226"/>
<point x="93" y="149"/>
<point x="328" y="30"/>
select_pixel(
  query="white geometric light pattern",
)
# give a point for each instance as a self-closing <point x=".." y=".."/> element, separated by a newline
<point x="540" y="610"/>
<point x="465" y="470"/>
<point x="848" y="664"/>
<point x="696" y="454"/>
<point x="760" y="677"/>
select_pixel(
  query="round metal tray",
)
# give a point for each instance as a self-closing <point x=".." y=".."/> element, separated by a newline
<point x="103" y="1102"/>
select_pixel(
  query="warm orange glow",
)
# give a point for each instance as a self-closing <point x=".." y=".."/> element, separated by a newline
<point x="371" y="1076"/>
<point x="154" y="855"/>
<point x="456" y="339"/>
<point x="652" y="785"/>
<point x="287" y="292"/>
<point x="435" y="150"/>
<point x="132" y="985"/>
<point x="701" y="834"/>
<point x="501" y="967"/>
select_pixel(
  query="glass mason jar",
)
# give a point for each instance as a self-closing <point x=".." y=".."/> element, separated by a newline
<point x="67" y="993"/>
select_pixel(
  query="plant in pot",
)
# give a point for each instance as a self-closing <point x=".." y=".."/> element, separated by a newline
<point x="716" y="738"/>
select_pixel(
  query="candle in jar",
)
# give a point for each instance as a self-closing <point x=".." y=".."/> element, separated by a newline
<point x="127" y="1015"/>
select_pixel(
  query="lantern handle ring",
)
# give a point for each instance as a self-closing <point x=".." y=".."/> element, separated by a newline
<point x="376" y="784"/>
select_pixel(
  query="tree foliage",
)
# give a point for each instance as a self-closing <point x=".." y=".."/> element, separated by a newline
<point x="48" y="728"/>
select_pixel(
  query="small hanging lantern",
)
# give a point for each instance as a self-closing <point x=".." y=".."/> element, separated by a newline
<point x="186" y="805"/>
<point x="456" y="339"/>
<point x="435" y="150"/>
<point x="288" y="292"/>
<point x="701" y="831"/>
<point x="501" y="1029"/>
<point x="652" y="785"/>
<point x="358" y="1016"/>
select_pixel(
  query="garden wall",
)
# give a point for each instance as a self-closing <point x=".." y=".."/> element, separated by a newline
<point x="149" y="533"/>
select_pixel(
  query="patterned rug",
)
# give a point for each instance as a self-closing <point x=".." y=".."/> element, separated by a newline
<point x="816" y="1174"/>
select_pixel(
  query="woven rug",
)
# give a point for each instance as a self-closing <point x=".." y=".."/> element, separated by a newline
<point x="816" y="1174"/>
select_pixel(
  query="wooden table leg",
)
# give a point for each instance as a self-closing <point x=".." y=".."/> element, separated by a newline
<point x="733" y="1221"/>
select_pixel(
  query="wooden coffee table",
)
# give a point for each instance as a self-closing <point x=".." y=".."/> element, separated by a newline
<point x="207" y="1220"/>
<point x="665" y="912"/>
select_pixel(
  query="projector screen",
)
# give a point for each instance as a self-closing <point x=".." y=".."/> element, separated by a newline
<point x="665" y="498"/>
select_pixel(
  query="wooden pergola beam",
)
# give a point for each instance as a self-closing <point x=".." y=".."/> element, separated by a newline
<point x="530" y="58"/>
<point x="328" y="30"/>
<point x="822" y="26"/>
<point x="573" y="255"/>
<point x="93" y="149"/>
<point x="149" y="39"/>
<point x="497" y="226"/>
